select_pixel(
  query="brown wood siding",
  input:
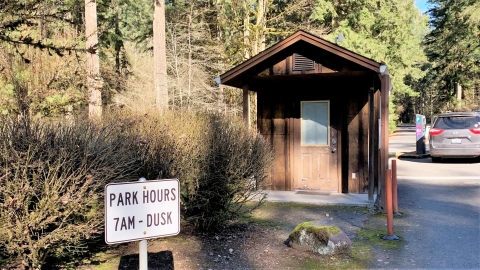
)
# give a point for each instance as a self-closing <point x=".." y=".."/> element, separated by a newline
<point x="280" y="68"/>
<point x="338" y="75"/>
<point x="290" y="163"/>
<point x="278" y="173"/>
<point x="357" y="140"/>
<point x="272" y="125"/>
<point x="279" y="144"/>
<point x="341" y="133"/>
<point x="377" y="131"/>
<point x="363" y="148"/>
<point x="279" y="107"/>
<point x="264" y="123"/>
<point x="353" y="143"/>
<point x="285" y="66"/>
<point x="308" y="45"/>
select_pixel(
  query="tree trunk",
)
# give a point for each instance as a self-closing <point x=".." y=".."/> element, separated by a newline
<point x="159" y="56"/>
<point x="259" y="44"/>
<point x="458" y="92"/>
<point x="189" y="38"/>
<point x="94" y="81"/>
<point x="246" y="30"/>
<point x="118" y="46"/>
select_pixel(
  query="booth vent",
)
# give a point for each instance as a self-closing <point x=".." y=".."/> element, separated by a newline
<point x="302" y="63"/>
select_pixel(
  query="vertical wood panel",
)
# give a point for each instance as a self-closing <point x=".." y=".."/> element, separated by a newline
<point x="279" y="164"/>
<point x="371" y="143"/>
<point x="279" y="118"/>
<point x="361" y="146"/>
<point x="323" y="166"/>
<point x="280" y="68"/>
<point x="307" y="164"/>
<point x="353" y="143"/>
<point x="264" y="124"/>
<point x="353" y="159"/>
<point x="363" y="162"/>
<point x="246" y="105"/>
<point x="376" y="138"/>
<point x="357" y="140"/>
<point x="277" y="134"/>
<point x="264" y="115"/>
<point x="288" y="147"/>
<point x="340" y="151"/>
<point x="297" y="150"/>
<point x="288" y="65"/>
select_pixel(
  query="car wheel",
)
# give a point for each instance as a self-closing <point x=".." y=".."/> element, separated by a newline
<point x="436" y="159"/>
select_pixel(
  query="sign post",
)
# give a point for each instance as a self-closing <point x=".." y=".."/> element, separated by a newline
<point x="137" y="211"/>
<point x="143" y="248"/>
<point x="420" y="125"/>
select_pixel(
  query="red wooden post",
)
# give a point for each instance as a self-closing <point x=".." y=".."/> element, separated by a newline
<point x="394" y="187"/>
<point x="389" y="205"/>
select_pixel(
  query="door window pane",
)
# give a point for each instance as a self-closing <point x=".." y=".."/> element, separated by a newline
<point x="315" y="122"/>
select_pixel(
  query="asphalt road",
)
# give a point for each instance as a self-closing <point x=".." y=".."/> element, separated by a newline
<point x="441" y="202"/>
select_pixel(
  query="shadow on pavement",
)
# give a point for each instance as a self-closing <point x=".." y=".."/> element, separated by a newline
<point x="428" y="159"/>
<point x="159" y="260"/>
<point x="403" y="130"/>
<point x="460" y="160"/>
<point x="417" y="160"/>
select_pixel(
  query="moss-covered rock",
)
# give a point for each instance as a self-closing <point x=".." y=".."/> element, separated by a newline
<point x="322" y="237"/>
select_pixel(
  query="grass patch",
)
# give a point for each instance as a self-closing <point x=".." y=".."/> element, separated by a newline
<point x="330" y="262"/>
<point x="267" y="205"/>
<point x="362" y="254"/>
<point x="379" y="215"/>
<point x="262" y="221"/>
<point x="104" y="261"/>
<point x="384" y="215"/>
<point x="375" y="236"/>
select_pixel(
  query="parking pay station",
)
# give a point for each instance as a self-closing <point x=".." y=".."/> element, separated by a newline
<point x="420" y="125"/>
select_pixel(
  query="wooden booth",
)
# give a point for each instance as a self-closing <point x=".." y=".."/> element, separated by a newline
<point x="325" y="111"/>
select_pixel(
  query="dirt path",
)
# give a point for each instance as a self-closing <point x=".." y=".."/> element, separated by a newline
<point x="256" y="243"/>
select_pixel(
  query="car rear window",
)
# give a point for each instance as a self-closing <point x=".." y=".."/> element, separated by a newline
<point x="457" y="122"/>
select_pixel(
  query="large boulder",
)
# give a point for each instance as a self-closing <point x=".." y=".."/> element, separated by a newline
<point x="322" y="237"/>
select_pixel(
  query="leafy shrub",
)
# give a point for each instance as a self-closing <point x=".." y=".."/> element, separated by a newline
<point x="51" y="184"/>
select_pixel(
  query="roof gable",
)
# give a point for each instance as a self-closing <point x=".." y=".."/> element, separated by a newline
<point x="300" y="42"/>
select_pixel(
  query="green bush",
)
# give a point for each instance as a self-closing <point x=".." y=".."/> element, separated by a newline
<point x="51" y="185"/>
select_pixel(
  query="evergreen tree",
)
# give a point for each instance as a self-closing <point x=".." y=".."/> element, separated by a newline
<point x="38" y="67"/>
<point x="32" y="22"/>
<point x="453" y="46"/>
<point x="386" y="31"/>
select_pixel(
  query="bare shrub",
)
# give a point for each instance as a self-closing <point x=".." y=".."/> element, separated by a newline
<point x="236" y="165"/>
<point x="220" y="163"/>
<point x="52" y="175"/>
<point x="51" y="185"/>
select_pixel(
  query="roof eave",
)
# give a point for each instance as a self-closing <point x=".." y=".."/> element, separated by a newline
<point x="235" y="74"/>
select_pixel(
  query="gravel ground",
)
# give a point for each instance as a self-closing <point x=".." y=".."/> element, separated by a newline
<point x="257" y="243"/>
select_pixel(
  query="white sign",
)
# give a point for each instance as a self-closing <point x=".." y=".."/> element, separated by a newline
<point x="137" y="211"/>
